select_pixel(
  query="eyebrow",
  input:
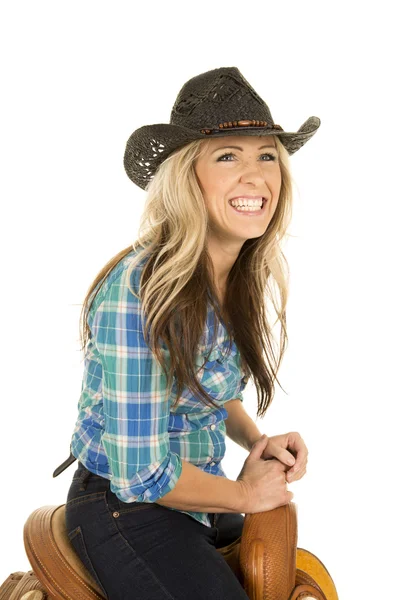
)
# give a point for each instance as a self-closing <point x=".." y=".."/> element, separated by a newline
<point x="239" y="148"/>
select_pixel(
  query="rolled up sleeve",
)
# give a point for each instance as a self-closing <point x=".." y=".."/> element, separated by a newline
<point x="135" y="403"/>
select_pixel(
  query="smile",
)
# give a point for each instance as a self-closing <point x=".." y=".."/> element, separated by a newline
<point x="250" y="211"/>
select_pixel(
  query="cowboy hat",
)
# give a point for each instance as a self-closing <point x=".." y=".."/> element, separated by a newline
<point x="216" y="103"/>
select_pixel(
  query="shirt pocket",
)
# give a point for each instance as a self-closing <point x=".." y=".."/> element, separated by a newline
<point x="215" y="359"/>
<point x="219" y="375"/>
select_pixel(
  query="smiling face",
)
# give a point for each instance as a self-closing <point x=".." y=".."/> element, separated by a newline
<point x="250" y="169"/>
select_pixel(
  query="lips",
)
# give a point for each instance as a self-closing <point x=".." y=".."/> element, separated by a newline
<point x="250" y="213"/>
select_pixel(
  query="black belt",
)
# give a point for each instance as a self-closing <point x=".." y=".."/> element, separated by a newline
<point x="65" y="464"/>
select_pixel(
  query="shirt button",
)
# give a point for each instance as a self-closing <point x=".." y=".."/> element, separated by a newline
<point x="212" y="464"/>
<point x="213" y="426"/>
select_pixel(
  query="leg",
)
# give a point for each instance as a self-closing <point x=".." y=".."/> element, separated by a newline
<point x="146" y="550"/>
<point x="229" y="527"/>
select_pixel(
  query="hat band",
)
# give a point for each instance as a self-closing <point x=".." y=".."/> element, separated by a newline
<point x="239" y="124"/>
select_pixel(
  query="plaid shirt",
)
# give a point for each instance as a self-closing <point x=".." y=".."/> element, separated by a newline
<point x="126" y="430"/>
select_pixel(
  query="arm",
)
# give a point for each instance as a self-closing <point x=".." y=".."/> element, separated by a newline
<point x="135" y="407"/>
<point x="136" y="416"/>
<point x="239" y="426"/>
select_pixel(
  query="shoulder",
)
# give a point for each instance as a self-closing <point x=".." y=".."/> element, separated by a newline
<point x="117" y="285"/>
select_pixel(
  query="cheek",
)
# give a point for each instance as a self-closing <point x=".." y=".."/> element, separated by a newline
<point x="217" y="191"/>
<point x="276" y="187"/>
<point x="219" y="184"/>
<point x="278" y="179"/>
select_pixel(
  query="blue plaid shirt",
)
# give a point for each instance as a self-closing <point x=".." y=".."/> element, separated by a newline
<point x="126" y="430"/>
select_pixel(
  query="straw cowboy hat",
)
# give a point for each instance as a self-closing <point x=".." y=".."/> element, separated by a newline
<point x="213" y="104"/>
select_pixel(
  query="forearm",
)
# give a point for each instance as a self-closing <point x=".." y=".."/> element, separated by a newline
<point x="240" y="427"/>
<point x="198" y="491"/>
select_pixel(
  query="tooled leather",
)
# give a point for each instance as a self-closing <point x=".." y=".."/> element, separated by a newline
<point x="271" y="538"/>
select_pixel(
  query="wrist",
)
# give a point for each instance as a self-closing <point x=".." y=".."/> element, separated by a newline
<point x="253" y="439"/>
<point x="242" y="497"/>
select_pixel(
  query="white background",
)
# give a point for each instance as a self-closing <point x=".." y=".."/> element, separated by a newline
<point x="77" y="79"/>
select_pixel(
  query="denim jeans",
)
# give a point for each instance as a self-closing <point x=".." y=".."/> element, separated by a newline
<point x="145" y="551"/>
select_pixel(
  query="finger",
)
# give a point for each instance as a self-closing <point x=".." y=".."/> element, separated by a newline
<point x="299" y="464"/>
<point x="281" y="454"/>
<point x="299" y="475"/>
<point x="301" y="455"/>
<point x="296" y="444"/>
<point x="289" y="459"/>
<point x="297" y="468"/>
<point x="295" y="477"/>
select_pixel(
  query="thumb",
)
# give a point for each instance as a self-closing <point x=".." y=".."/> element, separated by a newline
<point x="259" y="447"/>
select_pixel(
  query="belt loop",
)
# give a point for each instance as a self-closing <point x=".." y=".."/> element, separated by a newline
<point x="85" y="480"/>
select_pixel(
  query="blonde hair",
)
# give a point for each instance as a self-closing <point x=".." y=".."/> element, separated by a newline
<point x="178" y="272"/>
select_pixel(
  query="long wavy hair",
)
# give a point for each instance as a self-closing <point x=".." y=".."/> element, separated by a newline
<point x="177" y="280"/>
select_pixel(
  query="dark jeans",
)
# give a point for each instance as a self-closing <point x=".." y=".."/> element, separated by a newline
<point x="145" y="551"/>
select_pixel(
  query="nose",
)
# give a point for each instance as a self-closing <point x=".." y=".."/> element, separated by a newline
<point x="251" y="173"/>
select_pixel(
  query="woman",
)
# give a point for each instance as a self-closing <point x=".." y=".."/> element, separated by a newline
<point x="173" y="326"/>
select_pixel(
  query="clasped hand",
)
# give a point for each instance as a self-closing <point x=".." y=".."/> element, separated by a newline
<point x="285" y="447"/>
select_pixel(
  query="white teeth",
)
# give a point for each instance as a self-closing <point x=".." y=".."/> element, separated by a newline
<point x="246" y="202"/>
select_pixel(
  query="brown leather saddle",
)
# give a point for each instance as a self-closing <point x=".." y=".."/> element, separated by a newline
<point x="265" y="558"/>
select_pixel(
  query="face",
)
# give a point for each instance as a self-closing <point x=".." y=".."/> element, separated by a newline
<point x="247" y="170"/>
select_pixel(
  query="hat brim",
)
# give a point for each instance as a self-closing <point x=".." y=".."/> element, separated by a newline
<point x="150" y="145"/>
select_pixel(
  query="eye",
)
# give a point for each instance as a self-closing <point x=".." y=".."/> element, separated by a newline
<point x="271" y="156"/>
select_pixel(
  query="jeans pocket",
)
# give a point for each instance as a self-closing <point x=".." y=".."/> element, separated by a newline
<point x="78" y="543"/>
<point x="117" y="506"/>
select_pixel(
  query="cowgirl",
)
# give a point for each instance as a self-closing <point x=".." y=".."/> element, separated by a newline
<point x="172" y="328"/>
